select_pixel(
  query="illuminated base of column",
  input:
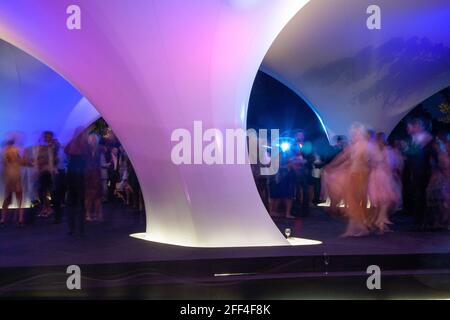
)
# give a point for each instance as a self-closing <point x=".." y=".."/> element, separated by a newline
<point x="293" y="241"/>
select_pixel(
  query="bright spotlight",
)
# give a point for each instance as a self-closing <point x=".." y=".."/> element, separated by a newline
<point x="285" y="146"/>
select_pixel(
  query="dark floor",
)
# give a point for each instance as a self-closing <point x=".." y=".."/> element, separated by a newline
<point x="402" y="287"/>
<point x="33" y="263"/>
<point x="46" y="244"/>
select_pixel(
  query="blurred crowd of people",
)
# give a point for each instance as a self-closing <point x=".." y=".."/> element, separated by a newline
<point x="90" y="170"/>
<point x="365" y="179"/>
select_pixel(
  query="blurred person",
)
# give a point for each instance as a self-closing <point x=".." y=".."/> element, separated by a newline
<point x="76" y="151"/>
<point x="282" y="189"/>
<point x="110" y="139"/>
<point x="328" y="192"/>
<point x="316" y="171"/>
<point x="446" y="186"/>
<point x="31" y="173"/>
<point x="383" y="192"/>
<point x="397" y="164"/>
<point x="438" y="191"/>
<point x="30" y="181"/>
<point x="104" y="157"/>
<point x="123" y="161"/>
<point x="419" y="156"/>
<point x="357" y="190"/>
<point x="346" y="177"/>
<point x="407" y="203"/>
<point x="124" y="191"/>
<point x="60" y="183"/>
<point x="45" y="162"/>
<point x="12" y="162"/>
<point x="129" y="191"/>
<point x="301" y="167"/>
<point x="333" y="175"/>
<point x="93" y="181"/>
<point x="134" y="184"/>
<point x="113" y="172"/>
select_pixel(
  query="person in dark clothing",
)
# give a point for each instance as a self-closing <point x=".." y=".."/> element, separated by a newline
<point x="93" y="181"/>
<point x="419" y="157"/>
<point x="134" y="184"/>
<point x="316" y="169"/>
<point x="76" y="152"/>
<point x="47" y="151"/>
<point x="113" y="172"/>
<point x="59" y="190"/>
<point x="282" y="189"/>
<point x="300" y="164"/>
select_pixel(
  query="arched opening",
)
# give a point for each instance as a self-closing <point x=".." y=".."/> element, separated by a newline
<point x="165" y="77"/>
<point x="35" y="99"/>
<point x="41" y="114"/>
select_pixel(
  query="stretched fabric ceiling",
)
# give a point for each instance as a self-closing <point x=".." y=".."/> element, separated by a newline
<point x="349" y="73"/>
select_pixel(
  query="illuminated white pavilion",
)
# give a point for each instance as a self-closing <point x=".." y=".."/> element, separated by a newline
<point x="150" y="67"/>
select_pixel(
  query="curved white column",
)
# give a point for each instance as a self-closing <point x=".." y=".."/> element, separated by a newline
<point x="151" y="67"/>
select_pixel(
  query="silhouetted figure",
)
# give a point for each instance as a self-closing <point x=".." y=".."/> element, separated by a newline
<point x="45" y="160"/>
<point x="383" y="191"/>
<point x="60" y="183"/>
<point x="93" y="180"/>
<point x="282" y="189"/>
<point x="419" y="155"/>
<point x="113" y="172"/>
<point x="76" y="152"/>
<point x="438" y="190"/>
<point x="300" y="163"/>
<point x="316" y="169"/>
